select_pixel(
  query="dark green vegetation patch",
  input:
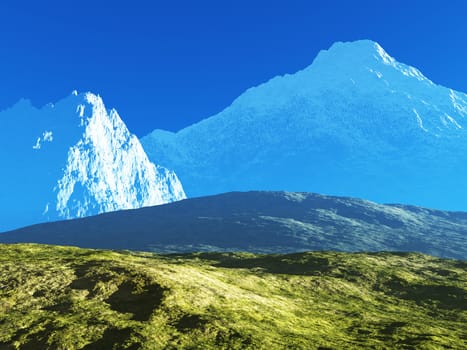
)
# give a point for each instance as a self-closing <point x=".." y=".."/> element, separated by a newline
<point x="68" y="298"/>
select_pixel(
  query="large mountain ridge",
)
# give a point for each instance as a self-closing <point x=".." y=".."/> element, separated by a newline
<point x="355" y="122"/>
<point x="261" y="222"/>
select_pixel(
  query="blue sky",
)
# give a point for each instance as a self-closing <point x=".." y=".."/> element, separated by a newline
<point x="167" y="64"/>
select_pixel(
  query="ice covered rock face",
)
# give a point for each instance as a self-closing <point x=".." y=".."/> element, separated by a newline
<point x="74" y="159"/>
<point x="355" y="122"/>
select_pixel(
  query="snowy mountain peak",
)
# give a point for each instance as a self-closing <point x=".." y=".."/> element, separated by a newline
<point x="358" y="50"/>
<point x="368" y="55"/>
<point x="81" y="160"/>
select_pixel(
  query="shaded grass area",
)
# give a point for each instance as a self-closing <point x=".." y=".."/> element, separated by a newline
<point x="55" y="297"/>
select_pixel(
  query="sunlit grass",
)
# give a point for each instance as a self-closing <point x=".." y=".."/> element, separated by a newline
<point x="70" y="298"/>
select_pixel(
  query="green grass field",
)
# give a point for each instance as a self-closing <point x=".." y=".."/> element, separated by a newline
<point x="68" y="298"/>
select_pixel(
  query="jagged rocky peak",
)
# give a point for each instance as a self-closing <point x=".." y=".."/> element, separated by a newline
<point x="110" y="167"/>
<point x="75" y="159"/>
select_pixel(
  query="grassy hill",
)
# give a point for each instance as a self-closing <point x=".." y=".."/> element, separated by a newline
<point x="69" y="298"/>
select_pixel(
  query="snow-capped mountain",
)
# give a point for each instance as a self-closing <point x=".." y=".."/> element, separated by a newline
<point x="74" y="159"/>
<point x="355" y="122"/>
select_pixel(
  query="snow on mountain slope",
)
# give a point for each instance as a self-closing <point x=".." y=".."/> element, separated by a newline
<point x="355" y="122"/>
<point x="74" y="159"/>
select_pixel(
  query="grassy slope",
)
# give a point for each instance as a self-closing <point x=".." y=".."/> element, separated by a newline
<point x="69" y="298"/>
